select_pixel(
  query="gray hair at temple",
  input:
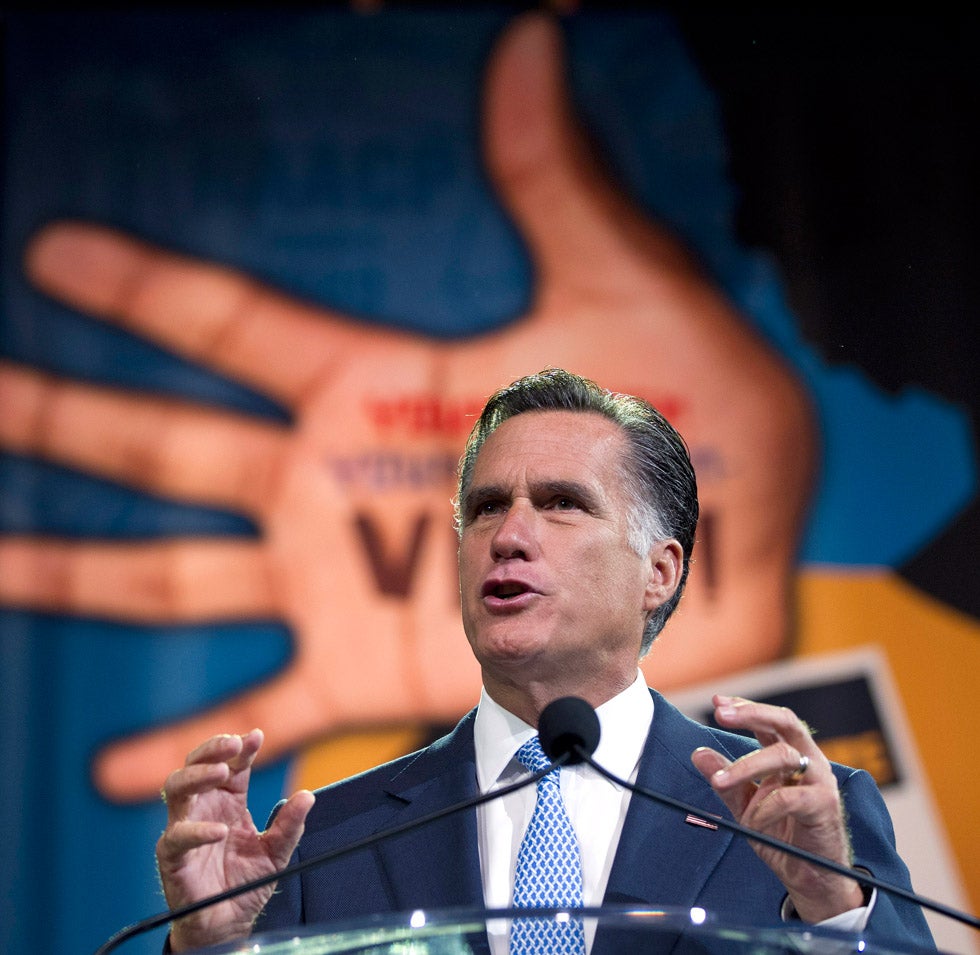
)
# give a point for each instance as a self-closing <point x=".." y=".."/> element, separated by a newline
<point x="657" y="473"/>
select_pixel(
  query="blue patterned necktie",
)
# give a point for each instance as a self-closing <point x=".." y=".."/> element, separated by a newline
<point x="549" y="869"/>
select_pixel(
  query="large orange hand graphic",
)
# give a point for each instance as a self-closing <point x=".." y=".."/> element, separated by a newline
<point x="356" y="551"/>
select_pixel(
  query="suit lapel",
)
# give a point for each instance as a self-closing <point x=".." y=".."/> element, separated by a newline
<point x="663" y="859"/>
<point x="435" y="865"/>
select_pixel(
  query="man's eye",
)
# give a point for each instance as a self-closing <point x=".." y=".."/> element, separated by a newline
<point x="486" y="508"/>
<point x="565" y="504"/>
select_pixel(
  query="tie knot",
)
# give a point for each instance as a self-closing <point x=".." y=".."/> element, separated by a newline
<point x="531" y="756"/>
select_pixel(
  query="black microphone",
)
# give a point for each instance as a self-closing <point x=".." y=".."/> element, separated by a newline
<point x="568" y="727"/>
<point x="572" y="734"/>
<point x="581" y="723"/>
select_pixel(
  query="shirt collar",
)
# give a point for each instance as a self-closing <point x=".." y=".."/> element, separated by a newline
<point x="624" y="723"/>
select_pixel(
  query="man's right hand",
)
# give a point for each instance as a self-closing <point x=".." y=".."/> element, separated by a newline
<point x="211" y="844"/>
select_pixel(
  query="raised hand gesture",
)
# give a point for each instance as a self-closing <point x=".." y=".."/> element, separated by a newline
<point x="211" y="844"/>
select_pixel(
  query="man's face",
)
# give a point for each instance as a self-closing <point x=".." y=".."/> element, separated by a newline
<point x="552" y="593"/>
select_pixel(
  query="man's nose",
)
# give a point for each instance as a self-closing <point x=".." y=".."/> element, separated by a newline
<point x="516" y="536"/>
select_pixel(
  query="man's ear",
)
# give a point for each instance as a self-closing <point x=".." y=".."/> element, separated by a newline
<point x="666" y="563"/>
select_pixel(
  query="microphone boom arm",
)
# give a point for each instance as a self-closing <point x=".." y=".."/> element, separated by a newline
<point x="860" y="876"/>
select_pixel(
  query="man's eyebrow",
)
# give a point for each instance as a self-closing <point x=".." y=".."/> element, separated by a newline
<point x="585" y="494"/>
<point x="484" y="492"/>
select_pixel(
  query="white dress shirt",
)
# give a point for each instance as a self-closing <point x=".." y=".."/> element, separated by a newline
<point x="596" y="807"/>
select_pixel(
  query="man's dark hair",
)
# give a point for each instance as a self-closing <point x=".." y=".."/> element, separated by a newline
<point x="657" y="474"/>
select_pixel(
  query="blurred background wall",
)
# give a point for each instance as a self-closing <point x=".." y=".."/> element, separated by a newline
<point x="823" y="171"/>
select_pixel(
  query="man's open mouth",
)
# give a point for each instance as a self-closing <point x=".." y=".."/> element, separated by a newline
<point x="505" y="590"/>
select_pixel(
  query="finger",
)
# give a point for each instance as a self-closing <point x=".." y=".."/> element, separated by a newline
<point x="181" y="837"/>
<point x="167" y="582"/>
<point x="133" y="768"/>
<point x="183" y="785"/>
<point x="776" y="762"/>
<point x="579" y="225"/>
<point x="770" y="724"/>
<point x="222" y="762"/>
<point x="208" y="313"/>
<point x="284" y="833"/>
<point x="710" y="763"/>
<point x="161" y="445"/>
<point x="237" y="750"/>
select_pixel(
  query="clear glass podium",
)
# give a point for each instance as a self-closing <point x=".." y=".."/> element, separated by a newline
<point x="616" y="930"/>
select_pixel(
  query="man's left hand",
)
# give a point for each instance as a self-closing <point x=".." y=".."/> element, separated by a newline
<point x="787" y="790"/>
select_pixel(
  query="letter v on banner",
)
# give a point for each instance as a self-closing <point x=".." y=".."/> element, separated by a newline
<point x="393" y="572"/>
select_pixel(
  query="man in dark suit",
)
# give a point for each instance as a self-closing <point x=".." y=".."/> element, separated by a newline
<point x="577" y="512"/>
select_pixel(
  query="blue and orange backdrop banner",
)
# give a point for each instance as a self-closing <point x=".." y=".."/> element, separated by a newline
<point x="259" y="272"/>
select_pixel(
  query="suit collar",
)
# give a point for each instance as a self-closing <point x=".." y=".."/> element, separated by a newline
<point x="662" y="858"/>
<point x="447" y="872"/>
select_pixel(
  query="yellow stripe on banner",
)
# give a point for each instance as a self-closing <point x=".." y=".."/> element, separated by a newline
<point x="351" y="753"/>
<point x="934" y="655"/>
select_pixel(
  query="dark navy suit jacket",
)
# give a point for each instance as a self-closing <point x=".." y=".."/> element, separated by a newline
<point x="662" y="860"/>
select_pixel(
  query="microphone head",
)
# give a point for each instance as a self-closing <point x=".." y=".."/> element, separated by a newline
<point x="565" y="724"/>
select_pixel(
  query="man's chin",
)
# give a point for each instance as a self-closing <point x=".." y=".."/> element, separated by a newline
<point x="508" y="646"/>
